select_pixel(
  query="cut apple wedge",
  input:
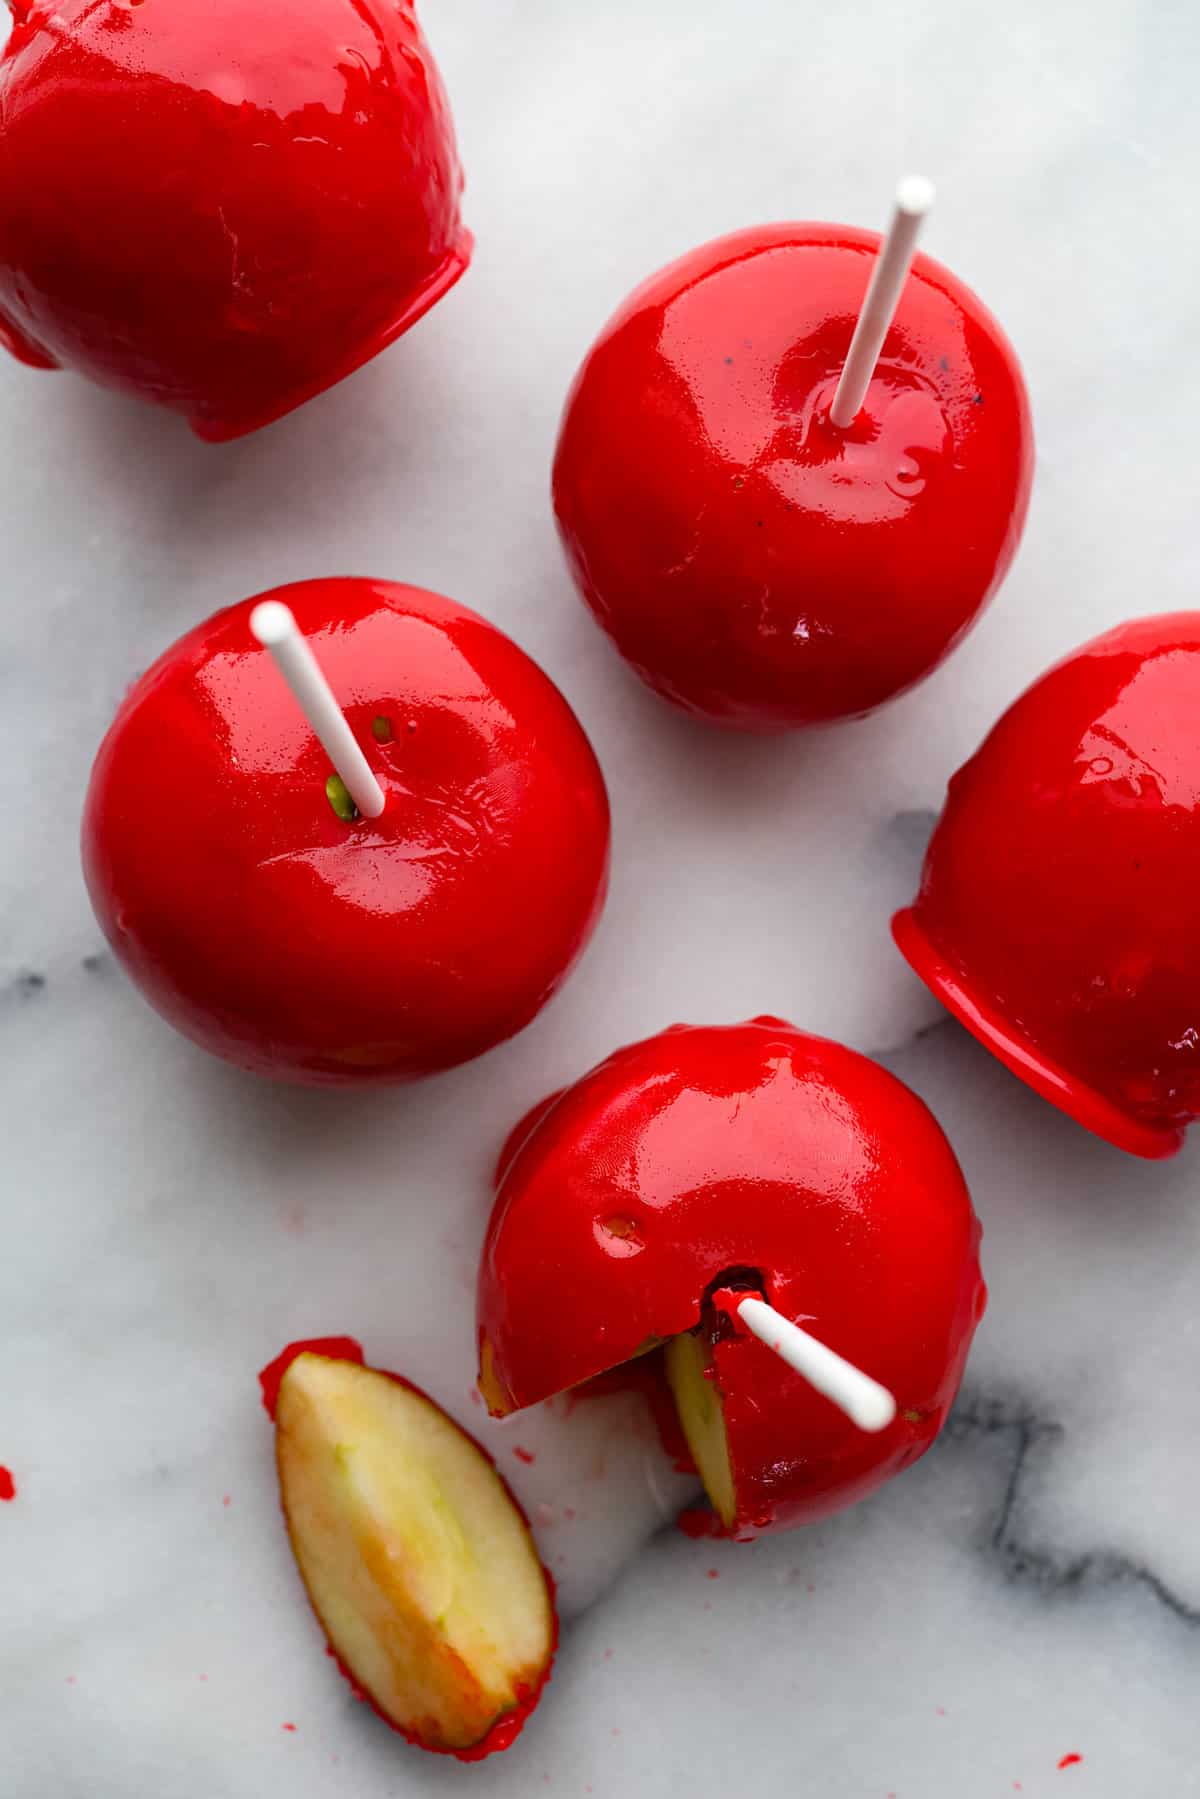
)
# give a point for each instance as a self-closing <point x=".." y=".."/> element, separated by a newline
<point x="417" y="1559"/>
<point x="757" y="1162"/>
<point x="693" y="1384"/>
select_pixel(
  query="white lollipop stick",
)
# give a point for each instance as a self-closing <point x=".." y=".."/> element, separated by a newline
<point x="863" y="1400"/>
<point x="276" y="629"/>
<point x="914" y="197"/>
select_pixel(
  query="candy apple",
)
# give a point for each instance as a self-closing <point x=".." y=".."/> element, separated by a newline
<point x="712" y="1161"/>
<point x="1057" y="910"/>
<point x="417" y="1559"/>
<point x="267" y="920"/>
<point x="756" y="565"/>
<point x="219" y="206"/>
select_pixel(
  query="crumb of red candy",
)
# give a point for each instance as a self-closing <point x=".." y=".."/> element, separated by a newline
<point x="8" y="1486"/>
<point x="714" y="1574"/>
<point x="1069" y="1761"/>
<point x="524" y="1455"/>
<point x="288" y="1727"/>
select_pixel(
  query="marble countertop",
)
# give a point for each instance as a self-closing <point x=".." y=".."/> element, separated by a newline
<point x="1021" y="1611"/>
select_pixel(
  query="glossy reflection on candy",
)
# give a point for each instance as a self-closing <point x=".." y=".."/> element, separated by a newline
<point x="752" y="1158"/>
<point x="221" y="207"/>
<point x="1057" y="914"/>
<point x="757" y="566"/>
<point x="267" y="920"/>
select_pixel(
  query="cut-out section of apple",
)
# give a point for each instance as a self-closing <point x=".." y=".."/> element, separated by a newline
<point x="417" y="1559"/>
<point x="693" y="1386"/>
<point x="760" y="1157"/>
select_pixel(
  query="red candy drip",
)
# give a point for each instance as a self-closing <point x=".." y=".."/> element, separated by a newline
<point x="338" y="1349"/>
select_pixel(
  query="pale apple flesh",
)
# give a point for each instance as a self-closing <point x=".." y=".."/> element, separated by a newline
<point x="416" y="1558"/>
<point x="692" y="1380"/>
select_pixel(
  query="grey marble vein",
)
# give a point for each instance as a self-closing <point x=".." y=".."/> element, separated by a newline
<point x="1011" y="1537"/>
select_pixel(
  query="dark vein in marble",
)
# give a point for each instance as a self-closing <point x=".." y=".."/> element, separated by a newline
<point x="1024" y="1561"/>
<point x="29" y="984"/>
<point x="930" y="1030"/>
<point x="910" y="831"/>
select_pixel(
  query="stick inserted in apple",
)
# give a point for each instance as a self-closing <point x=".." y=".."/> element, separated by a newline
<point x="419" y="1563"/>
<point x="378" y="866"/>
<point x="864" y="1401"/>
<point x="793" y="469"/>
<point x="779" y="1215"/>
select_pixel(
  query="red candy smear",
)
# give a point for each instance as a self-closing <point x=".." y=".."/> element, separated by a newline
<point x="505" y="1730"/>
<point x="697" y="1521"/>
<point x="338" y="1349"/>
<point x="1069" y="1761"/>
<point x="524" y="1455"/>
<point x="8" y="1486"/>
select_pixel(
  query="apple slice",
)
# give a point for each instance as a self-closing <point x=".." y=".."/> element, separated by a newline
<point x="693" y="1382"/>
<point x="417" y="1559"/>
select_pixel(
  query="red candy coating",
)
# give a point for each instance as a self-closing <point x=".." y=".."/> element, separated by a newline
<point x="708" y="1151"/>
<point x="338" y="1349"/>
<point x="1057" y="911"/>
<point x="756" y="566"/>
<point x="219" y="207"/>
<point x="294" y="943"/>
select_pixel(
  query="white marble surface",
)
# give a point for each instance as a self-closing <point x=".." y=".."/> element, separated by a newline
<point x="1032" y="1589"/>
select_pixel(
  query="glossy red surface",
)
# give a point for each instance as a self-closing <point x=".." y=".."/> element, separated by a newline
<point x="706" y="1151"/>
<point x="506" y="1729"/>
<point x="1057" y="909"/>
<point x="297" y="944"/>
<point x="219" y="206"/>
<point x="756" y="566"/>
